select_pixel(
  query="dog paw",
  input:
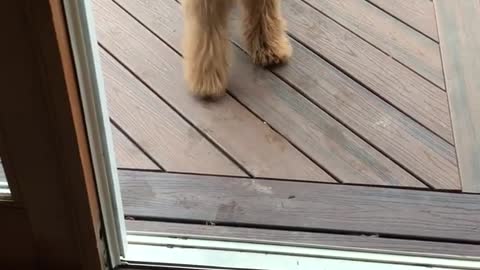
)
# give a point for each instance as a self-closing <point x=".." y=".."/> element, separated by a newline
<point x="271" y="54"/>
<point x="210" y="84"/>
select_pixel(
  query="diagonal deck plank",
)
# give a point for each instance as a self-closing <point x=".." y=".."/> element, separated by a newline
<point x="419" y="14"/>
<point x="410" y="144"/>
<point x="413" y="146"/>
<point x="302" y="206"/>
<point x="400" y="86"/>
<point x="458" y="25"/>
<point x="259" y="149"/>
<point x="171" y="141"/>
<point x="390" y="35"/>
<point x="128" y="155"/>
<point x="317" y="134"/>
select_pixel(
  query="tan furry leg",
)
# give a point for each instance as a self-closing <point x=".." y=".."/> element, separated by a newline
<point x="206" y="46"/>
<point x="265" y="32"/>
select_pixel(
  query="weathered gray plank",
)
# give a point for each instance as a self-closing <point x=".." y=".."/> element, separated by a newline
<point x="329" y="143"/>
<point x="3" y="177"/>
<point x="388" y="34"/>
<point x="158" y="129"/>
<point x="302" y="206"/>
<point x="128" y="155"/>
<point x="458" y="26"/>
<point x="391" y="80"/>
<point x="304" y="238"/>
<point x="259" y="149"/>
<point x="419" y="14"/>
<point x="404" y="140"/>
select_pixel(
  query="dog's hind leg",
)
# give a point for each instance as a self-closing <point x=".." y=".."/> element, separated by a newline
<point x="265" y="32"/>
<point x="206" y="46"/>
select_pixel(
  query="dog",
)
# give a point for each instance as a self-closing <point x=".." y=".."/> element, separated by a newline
<point x="206" y="42"/>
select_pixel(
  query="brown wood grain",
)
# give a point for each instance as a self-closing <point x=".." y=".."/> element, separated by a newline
<point x="157" y="128"/>
<point x="44" y="144"/>
<point x="390" y="35"/>
<point x="304" y="238"/>
<point x="302" y="206"/>
<point x="128" y="155"/>
<point x="389" y="79"/>
<point x="17" y="248"/>
<point x="424" y="154"/>
<point x="419" y="14"/>
<point x="458" y="26"/>
<point x="320" y="136"/>
<point x="252" y="143"/>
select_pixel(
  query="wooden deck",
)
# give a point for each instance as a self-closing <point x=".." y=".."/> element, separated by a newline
<point x="4" y="190"/>
<point x="367" y="101"/>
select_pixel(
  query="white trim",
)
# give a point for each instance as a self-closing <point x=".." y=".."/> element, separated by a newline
<point x="293" y="244"/>
<point x="87" y="62"/>
<point x="231" y="254"/>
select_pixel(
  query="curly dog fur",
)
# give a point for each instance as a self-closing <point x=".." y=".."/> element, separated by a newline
<point x="206" y="41"/>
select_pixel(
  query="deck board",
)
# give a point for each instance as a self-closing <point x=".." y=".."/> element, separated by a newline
<point x="393" y="37"/>
<point x="389" y="79"/>
<point x="419" y="14"/>
<point x="341" y="108"/>
<point x="332" y="145"/>
<point x="247" y="139"/>
<point x="458" y="23"/>
<point x="3" y="178"/>
<point x="413" y="146"/>
<point x="302" y="206"/>
<point x="304" y="238"/>
<point x="128" y="155"/>
<point x="360" y="102"/>
<point x="170" y="140"/>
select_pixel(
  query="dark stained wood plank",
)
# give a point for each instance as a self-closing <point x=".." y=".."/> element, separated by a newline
<point x="404" y="140"/>
<point x="320" y="136"/>
<point x="128" y="155"/>
<point x="304" y="238"/>
<point x="419" y="14"/>
<point x="302" y="206"/>
<point x="44" y="146"/>
<point x="258" y="148"/>
<point x="458" y="25"/>
<point x="17" y="248"/>
<point x="388" y="34"/>
<point x="389" y="79"/>
<point x="158" y="129"/>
